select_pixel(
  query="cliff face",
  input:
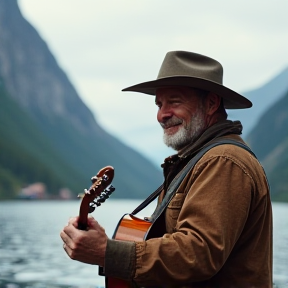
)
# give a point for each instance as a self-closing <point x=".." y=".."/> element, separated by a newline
<point x="32" y="75"/>
<point x="33" y="79"/>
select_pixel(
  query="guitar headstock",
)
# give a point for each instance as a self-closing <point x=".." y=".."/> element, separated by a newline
<point x="98" y="192"/>
<point x="100" y="182"/>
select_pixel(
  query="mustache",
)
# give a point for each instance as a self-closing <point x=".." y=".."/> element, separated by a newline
<point x="171" y="122"/>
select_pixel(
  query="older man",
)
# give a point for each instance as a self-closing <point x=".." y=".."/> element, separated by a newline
<point x="216" y="223"/>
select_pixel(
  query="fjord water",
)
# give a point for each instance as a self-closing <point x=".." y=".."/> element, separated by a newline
<point x="31" y="253"/>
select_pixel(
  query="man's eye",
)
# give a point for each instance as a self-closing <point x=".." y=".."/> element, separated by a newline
<point x="174" y="102"/>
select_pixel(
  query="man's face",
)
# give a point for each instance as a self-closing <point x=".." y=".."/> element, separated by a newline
<point x="181" y="115"/>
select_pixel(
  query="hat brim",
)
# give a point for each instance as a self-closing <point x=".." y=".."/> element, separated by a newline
<point x="232" y="100"/>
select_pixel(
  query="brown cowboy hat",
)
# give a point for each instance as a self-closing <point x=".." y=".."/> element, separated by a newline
<point x="181" y="68"/>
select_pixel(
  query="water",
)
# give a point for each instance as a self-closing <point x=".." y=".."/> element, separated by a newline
<point x="31" y="253"/>
<point x="31" y="248"/>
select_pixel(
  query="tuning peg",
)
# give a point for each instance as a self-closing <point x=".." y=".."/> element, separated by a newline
<point x="101" y="199"/>
<point x="110" y="189"/>
<point x="91" y="209"/>
<point x="97" y="203"/>
<point x="86" y="191"/>
<point x="105" y="177"/>
<point x="94" y="179"/>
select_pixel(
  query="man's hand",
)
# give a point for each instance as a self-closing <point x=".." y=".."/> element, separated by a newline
<point x="85" y="246"/>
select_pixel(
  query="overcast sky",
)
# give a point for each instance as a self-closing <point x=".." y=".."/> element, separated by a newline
<point x="105" y="46"/>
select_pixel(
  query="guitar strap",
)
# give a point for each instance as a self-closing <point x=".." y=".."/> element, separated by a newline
<point x="181" y="175"/>
<point x="147" y="201"/>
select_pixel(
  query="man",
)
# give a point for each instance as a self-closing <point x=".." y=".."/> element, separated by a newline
<point x="218" y="224"/>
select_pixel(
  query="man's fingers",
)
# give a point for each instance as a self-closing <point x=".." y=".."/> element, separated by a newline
<point x="93" y="224"/>
<point x="68" y="250"/>
<point x="65" y="238"/>
<point x="69" y="234"/>
<point x="73" y="221"/>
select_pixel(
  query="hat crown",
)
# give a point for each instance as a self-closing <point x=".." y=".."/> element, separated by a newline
<point x="189" y="69"/>
<point x="182" y="63"/>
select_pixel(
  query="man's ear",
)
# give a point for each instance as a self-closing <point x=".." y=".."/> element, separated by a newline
<point x="213" y="102"/>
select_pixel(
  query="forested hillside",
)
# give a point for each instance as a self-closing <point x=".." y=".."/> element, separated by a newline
<point x="269" y="140"/>
<point x="27" y="154"/>
<point x="263" y="97"/>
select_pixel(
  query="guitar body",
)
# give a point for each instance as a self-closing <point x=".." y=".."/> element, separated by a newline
<point x="129" y="228"/>
<point x="132" y="228"/>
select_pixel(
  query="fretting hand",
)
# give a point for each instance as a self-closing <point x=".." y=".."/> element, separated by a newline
<point x="87" y="246"/>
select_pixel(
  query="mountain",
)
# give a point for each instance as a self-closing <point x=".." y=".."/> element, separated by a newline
<point x="269" y="141"/>
<point x="262" y="98"/>
<point x="49" y="122"/>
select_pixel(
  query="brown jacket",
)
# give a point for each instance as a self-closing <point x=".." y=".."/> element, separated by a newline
<point x="219" y="229"/>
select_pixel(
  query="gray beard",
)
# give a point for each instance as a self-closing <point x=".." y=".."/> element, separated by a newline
<point x="186" y="135"/>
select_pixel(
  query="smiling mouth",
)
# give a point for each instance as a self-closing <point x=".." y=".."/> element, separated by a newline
<point x="171" y="124"/>
<point x="171" y="127"/>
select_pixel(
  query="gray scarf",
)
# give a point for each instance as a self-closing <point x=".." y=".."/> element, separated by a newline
<point x="217" y="130"/>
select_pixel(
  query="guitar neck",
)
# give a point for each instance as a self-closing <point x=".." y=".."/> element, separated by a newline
<point x="82" y="224"/>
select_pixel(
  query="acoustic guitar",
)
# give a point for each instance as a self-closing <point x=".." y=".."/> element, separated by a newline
<point x="100" y="190"/>
<point x="129" y="228"/>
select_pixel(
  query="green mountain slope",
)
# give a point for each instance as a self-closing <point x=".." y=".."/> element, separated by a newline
<point x="26" y="154"/>
<point x="269" y="140"/>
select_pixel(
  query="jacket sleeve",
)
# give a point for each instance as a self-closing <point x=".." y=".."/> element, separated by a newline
<point x="120" y="259"/>
<point x="218" y="195"/>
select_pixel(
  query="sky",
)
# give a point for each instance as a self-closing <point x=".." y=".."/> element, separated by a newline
<point x="105" y="46"/>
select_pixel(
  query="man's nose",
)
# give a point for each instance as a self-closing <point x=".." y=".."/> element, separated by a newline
<point x="164" y="114"/>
